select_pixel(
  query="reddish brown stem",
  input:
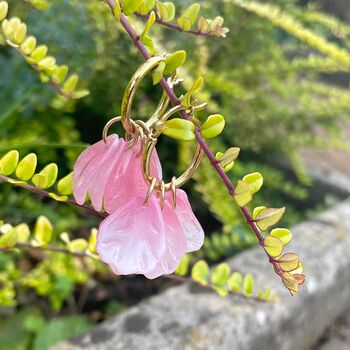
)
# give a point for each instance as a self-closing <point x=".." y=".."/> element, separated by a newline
<point x="175" y="101"/>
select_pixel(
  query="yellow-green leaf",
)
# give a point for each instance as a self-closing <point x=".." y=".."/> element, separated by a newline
<point x="269" y="217"/>
<point x="130" y="6"/>
<point x="235" y="282"/>
<point x="26" y="167"/>
<point x="229" y="156"/>
<point x="39" y="53"/>
<point x="182" y="269"/>
<point x="60" y="74"/>
<point x="248" y="285"/>
<point x="179" y="129"/>
<point x="158" y="73"/>
<point x="57" y="197"/>
<point x="23" y="233"/>
<point x="78" y="245"/>
<point x="290" y="282"/>
<point x="166" y="11"/>
<point x="242" y="194"/>
<point x="174" y="61"/>
<point x="200" y="272"/>
<point x="255" y="181"/>
<point x="184" y="23"/>
<point x="47" y="177"/>
<point x="226" y="167"/>
<point x="92" y="240"/>
<point x="257" y="210"/>
<point x="8" y="163"/>
<point x="43" y="230"/>
<point x="273" y="246"/>
<point x="283" y="234"/>
<point x="195" y="87"/>
<point x="213" y="126"/>
<point x="28" y="45"/>
<point x="149" y="24"/>
<point x="288" y="262"/>
<point x="192" y="12"/>
<point x="117" y="10"/>
<point x="220" y="275"/>
<point x="71" y="83"/>
<point x="148" y="42"/>
<point x="20" y="34"/>
<point x="203" y="25"/>
<point x="65" y="185"/>
<point x="146" y="6"/>
<point x="3" y="10"/>
<point x="8" y="239"/>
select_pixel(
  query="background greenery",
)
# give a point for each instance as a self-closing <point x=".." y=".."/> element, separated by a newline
<point x="279" y="87"/>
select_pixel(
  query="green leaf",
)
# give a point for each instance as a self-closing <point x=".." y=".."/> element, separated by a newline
<point x="43" y="230"/>
<point x="174" y="61"/>
<point x="290" y="282"/>
<point x="47" y="177"/>
<point x="71" y="83"/>
<point x="3" y="10"/>
<point x="39" y="53"/>
<point x="26" y="167"/>
<point x="184" y="23"/>
<point x="149" y="24"/>
<point x="182" y="269"/>
<point x="195" y="87"/>
<point x="235" y="282"/>
<point x="146" y="6"/>
<point x="289" y="262"/>
<point x="65" y="185"/>
<point x="217" y="23"/>
<point x="117" y="10"/>
<point x="283" y="234"/>
<point x="8" y="162"/>
<point x="60" y="74"/>
<point x="248" y="285"/>
<point x="58" y="198"/>
<point x="229" y="156"/>
<point x="220" y="275"/>
<point x="158" y="73"/>
<point x="78" y="245"/>
<point x="130" y="6"/>
<point x="23" y="233"/>
<point x="228" y="166"/>
<point x="269" y="217"/>
<point x="179" y="129"/>
<point x="242" y="194"/>
<point x="203" y="25"/>
<point x="20" y="33"/>
<point x="8" y="239"/>
<point x="192" y="12"/>
<point x="255" y="181"/>
<point x="213" y="126"/>
<point x="257" y="210"/>
<point x="92" y="240"/>
<point x="166" y="11"/>
<point x="265" y="295"/>
<point x="200" y="272"/>
<point x="148" y="42"/>
<point x="273" y="246"/>
<point x="28" y="46"/>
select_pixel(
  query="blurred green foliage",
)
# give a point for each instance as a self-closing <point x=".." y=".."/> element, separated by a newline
<point x="272" y="82"/>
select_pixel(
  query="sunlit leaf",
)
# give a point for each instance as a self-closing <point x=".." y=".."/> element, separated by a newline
<point x="255" y="181"/>
<point x="273" y="246"/>
<point x="200" y="272"/>
<point x="283" y="234"/>
<point x="269" y="217"/>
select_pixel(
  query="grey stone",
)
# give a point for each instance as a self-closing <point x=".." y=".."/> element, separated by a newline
<point x="182" y="318"/>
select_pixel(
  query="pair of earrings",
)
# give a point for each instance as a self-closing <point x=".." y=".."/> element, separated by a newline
<point x="150" y="225"/>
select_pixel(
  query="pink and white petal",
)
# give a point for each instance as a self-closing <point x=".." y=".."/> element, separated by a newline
<point x="85" y="167"/>
<point x="175" y="244"/>
<point x="132" y="239"/>
<point x="192" y="228"/>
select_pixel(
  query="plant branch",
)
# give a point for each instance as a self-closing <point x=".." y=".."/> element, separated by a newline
<point x="175" y="101"/>
<point x="176" y="27"/>
<point x="82" y="255"/>
<point x="56" y="87"/>
<point x="43" y="193"/>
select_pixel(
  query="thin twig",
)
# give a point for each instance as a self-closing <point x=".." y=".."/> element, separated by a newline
<point x="82" y="255"/>
<point x="43" y="193"/>
<point x="176" y="27"/>
<point x="175" y="101"/>
<point x="56" y="87"/>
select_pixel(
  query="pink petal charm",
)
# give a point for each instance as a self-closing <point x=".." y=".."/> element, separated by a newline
<point x="93" y="168"/>
<point x="192" y="228"/>
<point x="132" y="240"/>
<point x="126" y="180"/>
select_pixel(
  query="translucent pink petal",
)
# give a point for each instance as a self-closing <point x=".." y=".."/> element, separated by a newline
<point x="93" y="168"/>
<point x="132" y="239"/>
<point x="192" y="228"/>
<point x="175" y="244"/>
<point x="126" y="179"/>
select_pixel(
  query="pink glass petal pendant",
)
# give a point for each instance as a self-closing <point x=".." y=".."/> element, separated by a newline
<point x="133" y="238"/>
<point x="126" y="179"/>
<point x="93" y="168"/>
<point x="192" y="228"/>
